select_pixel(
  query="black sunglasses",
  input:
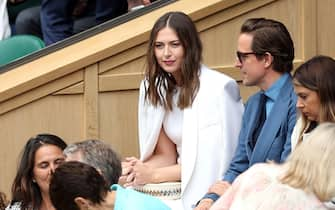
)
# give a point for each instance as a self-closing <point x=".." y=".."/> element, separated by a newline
<point x="242" y="55"/>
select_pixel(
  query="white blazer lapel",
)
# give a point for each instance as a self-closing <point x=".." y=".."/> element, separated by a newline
<point x="150" y="119"/>
<point x="189" y="143"/>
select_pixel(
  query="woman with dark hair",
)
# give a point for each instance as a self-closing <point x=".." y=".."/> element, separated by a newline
<point x="189" y="115"/>
<point x="315" y="87"/>
<point x="40" y="157"/>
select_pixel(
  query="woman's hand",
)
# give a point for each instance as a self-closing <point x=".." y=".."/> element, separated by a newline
<point x="127" y="175"/>
<point x="135" y="173"/>
<point x="161" y="166"/>
<point x="143" y="174"/>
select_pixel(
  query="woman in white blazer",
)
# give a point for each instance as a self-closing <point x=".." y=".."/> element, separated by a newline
<point x="189" y="115"/>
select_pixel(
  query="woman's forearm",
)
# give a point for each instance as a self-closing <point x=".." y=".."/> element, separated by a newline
<point x="170" y="173"/>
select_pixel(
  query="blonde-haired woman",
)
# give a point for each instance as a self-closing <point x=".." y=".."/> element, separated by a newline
<point x="305" y="181"/>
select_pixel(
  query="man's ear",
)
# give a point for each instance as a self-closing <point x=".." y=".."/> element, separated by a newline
<point x="268" y="59"/>
<point x="82" y="203"/>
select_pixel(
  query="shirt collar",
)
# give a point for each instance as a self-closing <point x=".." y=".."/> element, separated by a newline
<point x="273" y="92"/>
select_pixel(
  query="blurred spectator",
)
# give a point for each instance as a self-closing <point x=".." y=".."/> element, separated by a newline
<point x="304" y="181"/>
<point x="28" y="22"/>
<point x="14" y="7"/>
<point x="39" y="158"/>
<point x="4" y="24"/>
<point x="98" y="154"/>
<point x="57" y="21"/>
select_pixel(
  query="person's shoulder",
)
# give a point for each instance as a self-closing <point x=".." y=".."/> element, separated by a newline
<point x="266" y="167"/>
<point x="137" y="200"/>
<point x="216" y="82"/>
<point x="259" y="167"/>
<point x="287" y="94"/>
<point x="214" y="75"/>
<point x="288" y="87"/>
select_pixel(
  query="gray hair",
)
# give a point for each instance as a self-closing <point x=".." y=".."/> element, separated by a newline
<point x="99" y="155"/>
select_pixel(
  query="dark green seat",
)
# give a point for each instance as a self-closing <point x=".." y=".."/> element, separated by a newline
<point x="18" y="46"/>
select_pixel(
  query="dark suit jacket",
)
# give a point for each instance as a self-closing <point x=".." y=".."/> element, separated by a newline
<point x="274" y="140"/>
<point x="57" y="19"/>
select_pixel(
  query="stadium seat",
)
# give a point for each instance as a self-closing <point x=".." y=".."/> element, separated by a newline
<point x="18" y="46"/>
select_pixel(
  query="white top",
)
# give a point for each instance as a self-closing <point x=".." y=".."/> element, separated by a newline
<point x="295" y="134"/>
<point x="173" y="123"/>
<point x="4" y="24"/>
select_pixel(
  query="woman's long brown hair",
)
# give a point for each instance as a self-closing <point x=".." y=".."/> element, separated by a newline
<point x="160" y="85"/>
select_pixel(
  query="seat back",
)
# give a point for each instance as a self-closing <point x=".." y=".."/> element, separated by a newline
<point x="18" y="46"/>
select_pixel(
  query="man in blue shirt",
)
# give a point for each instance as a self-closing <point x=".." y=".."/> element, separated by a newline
<point x="265" y="57"/>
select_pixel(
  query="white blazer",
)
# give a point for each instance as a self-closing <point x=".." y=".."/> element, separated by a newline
<point x="4" y="25"/>
<point x="295" y="134"/>
<point x="210" y="132"/>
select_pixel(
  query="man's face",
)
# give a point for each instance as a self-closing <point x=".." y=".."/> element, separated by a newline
<point x="253" y="70"/>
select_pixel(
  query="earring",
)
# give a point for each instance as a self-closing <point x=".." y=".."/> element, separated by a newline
<point x="34" y="181"/>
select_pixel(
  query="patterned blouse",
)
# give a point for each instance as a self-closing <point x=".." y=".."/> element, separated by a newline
<point x="259" y="188"/>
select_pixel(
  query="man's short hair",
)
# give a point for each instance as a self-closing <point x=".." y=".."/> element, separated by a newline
<point x="75" y="179"/>
<point x="99" y="155"/>
<point x="273" y="37"/>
